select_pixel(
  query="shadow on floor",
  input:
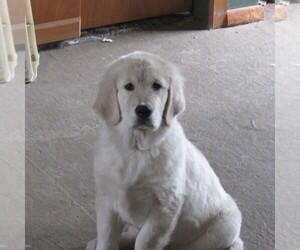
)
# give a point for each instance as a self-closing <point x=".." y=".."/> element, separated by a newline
<point x="174" y="22"/>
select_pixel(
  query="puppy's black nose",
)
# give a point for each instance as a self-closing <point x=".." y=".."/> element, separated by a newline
<point x="143" y="111"/>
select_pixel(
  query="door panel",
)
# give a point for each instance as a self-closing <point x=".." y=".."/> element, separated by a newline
<point x="96" y="13"/>
<point x="54" y="10"/>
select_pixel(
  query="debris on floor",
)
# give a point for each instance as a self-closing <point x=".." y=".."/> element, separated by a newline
<point x="261" y="2"/>
<point x="85" y="39"/>
<point x="107" y="40"/>
<point x="72" y="42"/>
<point x="253" y="125"/>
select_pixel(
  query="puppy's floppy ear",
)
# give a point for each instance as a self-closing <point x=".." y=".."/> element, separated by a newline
<point x="106" y="104"/>
<point x="175" y="102"/>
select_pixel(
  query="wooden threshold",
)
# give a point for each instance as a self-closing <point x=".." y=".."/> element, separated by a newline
<point x="245" y="15"/>
<point x="280" y="13"/>
<point x="58" y="30"/>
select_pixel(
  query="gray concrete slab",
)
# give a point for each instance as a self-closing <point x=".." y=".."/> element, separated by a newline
<point x="288" y="130"/>
<point x="230" y="117"/>
<point x="12" y="159"/>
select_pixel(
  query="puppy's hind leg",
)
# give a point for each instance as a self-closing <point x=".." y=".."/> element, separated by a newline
<point x="222" y="233"/>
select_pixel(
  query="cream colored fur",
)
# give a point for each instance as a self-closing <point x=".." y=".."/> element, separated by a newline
<point x="152" y="178"/>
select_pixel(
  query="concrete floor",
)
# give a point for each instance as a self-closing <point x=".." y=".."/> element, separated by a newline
<point x="287" y="144"/>
<point x="12" y="159"/>
<point x="230" y="117"/>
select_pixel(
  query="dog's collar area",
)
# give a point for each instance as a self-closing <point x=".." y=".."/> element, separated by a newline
<point x="143" y="128"/>
<point x="147" y="139"/>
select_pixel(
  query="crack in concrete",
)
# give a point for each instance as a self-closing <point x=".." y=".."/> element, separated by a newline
<point x="56" y="136"/>
<point x="12" y="166"/>
<point x="62" y="190"/>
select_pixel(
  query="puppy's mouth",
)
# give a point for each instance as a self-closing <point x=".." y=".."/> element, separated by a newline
<point x="144" y="124"/>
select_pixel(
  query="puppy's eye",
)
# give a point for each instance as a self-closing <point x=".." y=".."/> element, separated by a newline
<point x="156" y="86"/>
<point x="129" y="86"/>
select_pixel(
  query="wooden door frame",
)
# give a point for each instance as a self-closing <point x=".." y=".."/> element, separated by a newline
<point x="217" y="13"/>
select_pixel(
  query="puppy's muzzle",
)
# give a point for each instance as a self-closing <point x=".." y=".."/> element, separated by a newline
<point x="143" y="111"/>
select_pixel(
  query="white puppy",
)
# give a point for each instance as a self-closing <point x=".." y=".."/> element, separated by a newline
<point x="148" y="175"/>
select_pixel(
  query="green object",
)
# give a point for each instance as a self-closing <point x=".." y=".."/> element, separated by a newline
<point x="201" y="9"/>
<point x="234" y="4"/>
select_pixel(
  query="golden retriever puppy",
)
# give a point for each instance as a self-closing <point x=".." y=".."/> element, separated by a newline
<point x="148" y="175"/>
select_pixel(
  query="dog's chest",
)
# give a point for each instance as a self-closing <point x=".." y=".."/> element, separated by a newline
<point x="130" y="181"/>
<point x="136" y="199"/>
<point x="138" y="166"/>
<point x="135" y="204"/>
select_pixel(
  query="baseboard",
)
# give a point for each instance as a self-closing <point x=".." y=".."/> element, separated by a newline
<point x="58" y="30"/>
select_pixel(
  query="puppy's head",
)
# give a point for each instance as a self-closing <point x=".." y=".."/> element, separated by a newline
<point x="141" y="90"/>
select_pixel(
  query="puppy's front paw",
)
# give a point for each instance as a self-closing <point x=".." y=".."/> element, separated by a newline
<point x="92" y="244"/>
<point x="237" y="245"/>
